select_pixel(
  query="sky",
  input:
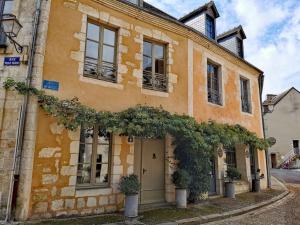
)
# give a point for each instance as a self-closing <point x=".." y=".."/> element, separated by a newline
<point x="272" y="28"/>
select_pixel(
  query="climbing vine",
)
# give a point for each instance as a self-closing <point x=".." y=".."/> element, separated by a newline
<point x="194" y="142"/>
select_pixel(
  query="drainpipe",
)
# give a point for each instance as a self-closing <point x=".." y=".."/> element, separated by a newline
<point x="22" y="119"/>
<point x="261" y="85"/>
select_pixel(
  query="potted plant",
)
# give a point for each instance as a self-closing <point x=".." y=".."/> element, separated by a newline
<point x="181" y="179"/>
<point x="130" y="186"/>
<point x="232" y="175"/>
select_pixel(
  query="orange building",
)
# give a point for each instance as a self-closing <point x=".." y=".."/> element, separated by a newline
<point x="112" y="55"/>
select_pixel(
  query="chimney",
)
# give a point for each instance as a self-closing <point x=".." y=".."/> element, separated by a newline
<point x="203" y="19"/>
<point x="270" y="97"/>
<point x="233" y="40"/>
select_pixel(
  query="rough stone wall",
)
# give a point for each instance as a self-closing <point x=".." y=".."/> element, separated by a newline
<point x="54" y="191"/>
<point x="10" y="102"/>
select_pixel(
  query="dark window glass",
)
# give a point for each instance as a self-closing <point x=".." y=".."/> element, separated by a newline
<point x="231" y="157"/>
<point x="154" y="75"/>
<point x="295" y="143"/>
<point x="213" y="84"/>
<point x="240" y="48"/>
<point x="100" y="54"/>
<point x="94" y="157"/>
<point x="210" y="27"/>
<point x="245" y="95"/>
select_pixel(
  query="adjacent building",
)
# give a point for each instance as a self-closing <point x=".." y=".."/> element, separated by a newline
<point x="113" y="55"/>
<point x="282" y="122"/>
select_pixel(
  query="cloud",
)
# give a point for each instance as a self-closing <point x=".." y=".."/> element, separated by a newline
<point x="272" y="29"/>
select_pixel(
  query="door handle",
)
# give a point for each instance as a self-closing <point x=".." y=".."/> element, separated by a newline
<point x="144" y="171"/>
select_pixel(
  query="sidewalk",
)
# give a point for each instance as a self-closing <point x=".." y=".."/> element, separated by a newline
<point x="210" y="210"/>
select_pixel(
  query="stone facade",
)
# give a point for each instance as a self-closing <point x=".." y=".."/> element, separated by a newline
<point x="50" y="152"/>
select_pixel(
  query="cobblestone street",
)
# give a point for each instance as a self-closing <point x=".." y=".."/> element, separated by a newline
<point x="286" y="212"/>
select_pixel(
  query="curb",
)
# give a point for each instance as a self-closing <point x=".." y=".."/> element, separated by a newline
<point x="237" y="212"/>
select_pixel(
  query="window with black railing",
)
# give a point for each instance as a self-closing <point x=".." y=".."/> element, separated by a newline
<point x="154" y="67"/>
<point x="100" y="53"/>
<point x="245" y="95"/>
<point x="213" y="84"/>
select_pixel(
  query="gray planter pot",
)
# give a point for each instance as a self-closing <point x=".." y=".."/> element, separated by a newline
<point x="229" y="190"/>
<point x="131" y="206"/>
<point x="181" y="198"/>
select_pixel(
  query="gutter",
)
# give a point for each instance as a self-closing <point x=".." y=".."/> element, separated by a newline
<point x="261" y="85"/>
<point x="13" y="188"/>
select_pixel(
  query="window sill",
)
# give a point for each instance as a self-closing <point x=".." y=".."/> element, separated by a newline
<point x="102" y="83"/>
<point x="247" y="113"/>
<point x="93" y="191"/>
<point x="155" y="93"/>
<point x="215" y="104"/>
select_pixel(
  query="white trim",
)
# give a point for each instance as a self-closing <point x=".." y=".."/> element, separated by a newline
<point x="190" y="77"/>
<point x="101" y="83"/>
<point x="155" y="93"/>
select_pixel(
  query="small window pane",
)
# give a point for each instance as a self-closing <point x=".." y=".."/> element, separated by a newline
<point x="102" y="174"/>
<point x="159" y="66"/>
<point x="108" y="54"/>
<point x="158" y="51"/>
<point x="147" y="63"/>
<point x="109" y="37"/>
<point x="93" y="32"/>
<point x="84" y="174"/>
<point x="102" y="153"/>
<point x="92" y="49"/>
<point x="147" y="49"/>
<point x="8" y="6"/>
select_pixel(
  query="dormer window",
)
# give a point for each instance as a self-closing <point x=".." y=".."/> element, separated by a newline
<point x="210" y="30"/>
<point x="203" y="19"/>
<point x="233" y="40"/>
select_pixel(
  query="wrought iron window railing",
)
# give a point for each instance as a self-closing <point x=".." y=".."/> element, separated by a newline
<point x="155" y="82"/>
<point x="105" y="71"/>
<point x="214" y="96"/>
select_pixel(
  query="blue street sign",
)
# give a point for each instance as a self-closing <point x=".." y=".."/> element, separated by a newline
<point x="51" y="85"/>
<point x="11" y="61"/>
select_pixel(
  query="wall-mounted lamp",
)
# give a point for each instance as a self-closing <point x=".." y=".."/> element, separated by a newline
<point x="11" y="28"/>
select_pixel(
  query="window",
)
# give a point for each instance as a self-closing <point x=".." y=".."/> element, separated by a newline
<point x="210" y="27"/>
<point x="94" y="157"/>
<point x="154" y="68"/>
<point x="295" y="143"/>
<point x="240" y="48"/>
<point x="245" y="95"/>
<point x="213" y="84"/>
<point x="100" y="53"/>
<point x="231" y="157"/>
<point x="6" y="7"/>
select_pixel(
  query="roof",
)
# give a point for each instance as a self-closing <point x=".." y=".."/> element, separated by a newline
<point x="200" y="10"/>
<point x="236" y="30"/>
<point x="157" y="12"/>
<point x="278" y="98"/>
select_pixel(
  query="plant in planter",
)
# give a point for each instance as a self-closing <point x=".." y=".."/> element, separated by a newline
<point x="232" y="175"/>
<point x="130" y="186"/>
<point x="181" y="179"/>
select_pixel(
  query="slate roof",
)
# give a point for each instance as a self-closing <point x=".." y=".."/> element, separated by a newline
<point x="235" y="30"/>
<point x="199" y="10"/>
<point x="156" y="10"/>
<point x="278" y="98"/>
